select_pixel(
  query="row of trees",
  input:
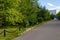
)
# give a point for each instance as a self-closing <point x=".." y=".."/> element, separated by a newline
<point x="22" y="12"/>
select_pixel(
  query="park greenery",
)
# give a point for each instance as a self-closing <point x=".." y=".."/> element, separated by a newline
<point x="58" y="15"/>
<point x="22" y="13"/>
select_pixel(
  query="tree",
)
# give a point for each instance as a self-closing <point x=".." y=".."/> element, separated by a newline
<point x="58" y="15"/>
<point x="9" y="14"/>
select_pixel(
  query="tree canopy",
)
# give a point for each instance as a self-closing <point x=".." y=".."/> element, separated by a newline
<point x="22" y="12"/>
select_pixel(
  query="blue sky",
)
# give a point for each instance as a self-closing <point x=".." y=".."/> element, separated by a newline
<point x="50" y="4"/>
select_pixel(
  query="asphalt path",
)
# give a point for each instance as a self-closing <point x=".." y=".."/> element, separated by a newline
<point x="47" y="31"/>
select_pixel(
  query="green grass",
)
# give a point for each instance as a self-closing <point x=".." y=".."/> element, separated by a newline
<point x="9" y="36"/>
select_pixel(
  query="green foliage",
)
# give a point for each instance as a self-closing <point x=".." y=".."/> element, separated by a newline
<point x="14" y="16"/>
<point x="22" y="13"/>
<point x="58" y="15"/>
<point x="9" y="14"/>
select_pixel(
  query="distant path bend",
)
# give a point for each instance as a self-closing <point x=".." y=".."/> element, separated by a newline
<point x="47" y="31"/>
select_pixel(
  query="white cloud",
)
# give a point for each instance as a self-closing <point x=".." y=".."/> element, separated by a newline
<point x="49" y="4"/>
<point x="53" y="7"/>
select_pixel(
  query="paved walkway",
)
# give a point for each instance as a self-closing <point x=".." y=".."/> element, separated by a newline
<point x="47" y="31"/>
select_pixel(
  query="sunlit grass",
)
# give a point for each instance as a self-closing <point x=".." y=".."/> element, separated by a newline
<point x="14" y="33"/>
